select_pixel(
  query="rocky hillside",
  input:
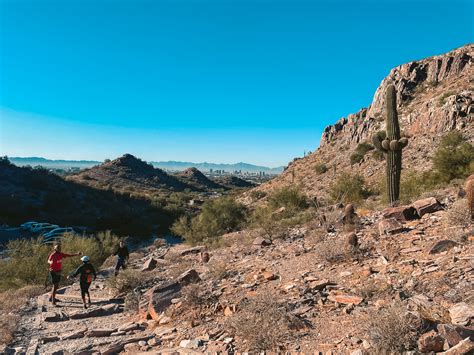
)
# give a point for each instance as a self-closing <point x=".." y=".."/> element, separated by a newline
<point x="35" y="194"/>
<point x="434" y="96"/>
<point x="232" y="181"/>
<point x="129" y="172"/>
<point x="198" y="180"/>
<point x="402" y="281"/>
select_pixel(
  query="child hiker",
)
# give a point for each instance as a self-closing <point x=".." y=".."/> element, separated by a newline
<point x="87" y="275"/>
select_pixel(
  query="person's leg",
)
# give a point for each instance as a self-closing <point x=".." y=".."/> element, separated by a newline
<point x="53" y="295"/>
<point x="83" y="294"/>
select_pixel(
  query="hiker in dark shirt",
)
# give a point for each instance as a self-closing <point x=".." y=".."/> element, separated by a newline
<point x="87" y="275"/>
<point x="122" y="257"/>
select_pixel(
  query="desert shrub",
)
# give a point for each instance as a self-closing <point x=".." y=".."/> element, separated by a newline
<point x="336" y="250"/>
<point x="266" y="219"/>
<point x="360" y="151"/>
<point x="125" y="281"/>
<point x="321" y="168"/>
<point x="458" y="214"/>
<point x="378" y="155"/>
<point x="11" y="300"/>
<point x="257" y="194"/>
<point x="198" y="295"/>
<point x="454" y="157"/>
<point x="27" y="259"/>
<point x="391" y="330"/>
<point x="262" y="322"/>
<point x="444" y="96"/>
<point x="8" y="325"/>
<point x="217" y="217"/>
<point x="217" y="269"/>
<point x="348" y="188"/>
<point x="131" y="302"/>
<point x="291" y="198"/>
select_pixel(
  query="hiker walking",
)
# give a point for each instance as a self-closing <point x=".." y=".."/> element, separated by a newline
<point x="122" y="257"/>
<point x="88" y="274"/>
<point x="55" y="261"/>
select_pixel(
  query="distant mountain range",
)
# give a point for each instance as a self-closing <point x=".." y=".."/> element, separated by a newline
<point x="167" y="165"/>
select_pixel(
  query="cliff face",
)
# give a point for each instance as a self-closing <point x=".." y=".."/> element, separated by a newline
<point x="434" y="96"/>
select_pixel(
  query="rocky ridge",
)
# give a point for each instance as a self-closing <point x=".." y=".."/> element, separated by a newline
<point x="434" y="97"/>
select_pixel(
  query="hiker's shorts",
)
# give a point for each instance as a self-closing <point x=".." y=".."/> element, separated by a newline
<point x="84" y="288"/>
<point x="120" y="263"/>
<point x="54" y="277"/>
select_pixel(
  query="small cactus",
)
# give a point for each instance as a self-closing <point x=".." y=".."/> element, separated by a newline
<point x="469" y="187"/>
<point x="392" y="146"/>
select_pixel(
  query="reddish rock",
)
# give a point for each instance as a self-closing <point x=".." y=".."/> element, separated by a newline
<point x="426" y="205"/>
<point x="345" y="299"/>
<point x="390" y="226"/>
<point x="465" y="346"/>
<point x="401" y="213"/>
<point x="461" y="313"/>
<point x="269" y="276"/>
<point x="320" y="285"/>
<point x="261" y="242"/>
<point x="160" y="298"/>
<point x="455" y="333"/>
<point x="441" y="245"/>
<point x="99" y="332"/>
<point x="188" y="277"/>
<point x="430" y="341"/>
<point x="149" y="265"/>
<point x="194" y="250"/>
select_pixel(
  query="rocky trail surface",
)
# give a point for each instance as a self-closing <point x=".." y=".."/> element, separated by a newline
<point x="316" y="288"/>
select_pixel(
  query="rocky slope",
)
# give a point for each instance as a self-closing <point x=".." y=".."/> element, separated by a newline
<point x="310" y="291"/>
<point x="129" y="172"/>
<point x="198" y="180"/>
<point x="434" y="96"/>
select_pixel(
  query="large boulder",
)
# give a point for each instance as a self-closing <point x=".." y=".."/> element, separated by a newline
<point x="188" y="277"/>
<point x="149" y="265"/>
<point x="426" y="205"/>
<point x="461" y="313"/>
<point x="430" y="341"/>
<point x="455" y="333"/>
<point x="390" y="226"/>
<point x="401" y="213"/>
<point x="160" y="298"/>
<point x="441" y="245"/>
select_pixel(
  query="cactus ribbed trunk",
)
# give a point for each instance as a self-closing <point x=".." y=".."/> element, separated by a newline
<point x="391" y="145"/>
<point x="394" y="157"/>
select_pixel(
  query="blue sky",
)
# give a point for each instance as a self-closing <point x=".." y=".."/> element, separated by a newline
<point x="202" y="80"/>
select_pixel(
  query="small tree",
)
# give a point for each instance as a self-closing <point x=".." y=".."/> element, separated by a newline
<point x="454" y="157"/>
<point x="348" y="188"/>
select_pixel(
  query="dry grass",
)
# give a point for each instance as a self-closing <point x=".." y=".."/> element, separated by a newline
<point x="8" y="325"/>
<point x="458" y="215"/>
<point x="126" y="280"/>
<point x="262" y="322"/>
<point x="336" y="250"/>
<point x="217" y="269"/>
<point x="391" y="329"/>
<point x="12" y="300"/>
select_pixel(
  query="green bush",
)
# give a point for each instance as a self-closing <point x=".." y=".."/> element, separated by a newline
<point x="348" y="188"/>
<point x="454" y="157"/>
<point x="321" y="168"/>
<point x="291" y="198"/>
<point x="217" y="217"/>
<point x="360" y="151"/>
<point x="27" y="259"/>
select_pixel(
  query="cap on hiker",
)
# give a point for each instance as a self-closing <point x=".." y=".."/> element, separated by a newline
<point x="85" y="258"/>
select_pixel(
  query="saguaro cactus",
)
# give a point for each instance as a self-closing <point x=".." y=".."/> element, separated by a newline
<point x="470" y="195"/>
<point x="392" y="146"/>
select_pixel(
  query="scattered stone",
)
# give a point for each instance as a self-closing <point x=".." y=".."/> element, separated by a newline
<point x="128" y="327"/>
<point x="465" y="346"/>
<point x="190" y="343"/>
<point x="401" y="213"/>
<point x="194" y="250"/>
<point x="352" y="240"/>
<point x="441" y="245"/>
<point x="142" y="343"/>
<point x="76" y="334"/>
<point x="430" y="341"/>
<point x="48" y="339"/>
<point x="161" y="331"/>
<point x="149" y="265"/>
<point x="426" y="205"/>
<point x="320" y="284"/>
<point x="160" y="298"/>
<point x="461" y="313"/>
<point x="390" y="226"/>
<point x="269" y="276"/>
<point x="51" y="317"/>
<point x="205" y="257"/>
<point x="345" y="299"/>
<point x="455" y="333"/>
<point x="100" y="332"/>
<point x="261" y="242"/>
<point x="188" y="277"/>
<point x="164" y="320"/>
<point x="153" y="342"/>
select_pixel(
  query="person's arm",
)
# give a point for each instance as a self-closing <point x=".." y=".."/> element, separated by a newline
<point x="50" y="259"/>
<point x="127" y="254"/>
<point x="77" y="272"/>
<point x="93" y="271"/>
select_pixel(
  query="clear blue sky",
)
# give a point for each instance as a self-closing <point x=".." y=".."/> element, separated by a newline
<point x="202" y="80"/>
